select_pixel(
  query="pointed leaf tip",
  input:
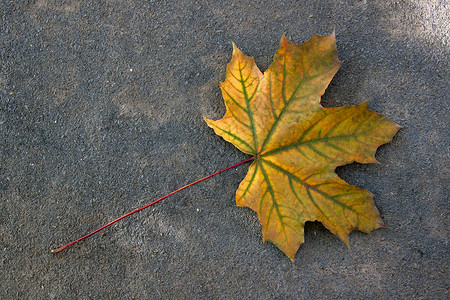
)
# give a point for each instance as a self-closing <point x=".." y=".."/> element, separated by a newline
<point x="233" y="45"/>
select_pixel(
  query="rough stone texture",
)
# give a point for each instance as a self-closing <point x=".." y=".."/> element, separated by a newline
<point x="101" y="112"/>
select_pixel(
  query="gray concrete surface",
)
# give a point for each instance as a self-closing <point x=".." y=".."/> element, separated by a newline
<point x="101" y="109"/>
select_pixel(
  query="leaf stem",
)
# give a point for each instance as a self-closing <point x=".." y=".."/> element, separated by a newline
<point x="150" y="204"/>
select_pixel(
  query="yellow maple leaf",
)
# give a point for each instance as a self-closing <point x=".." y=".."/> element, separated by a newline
<point x="297" y="144"/>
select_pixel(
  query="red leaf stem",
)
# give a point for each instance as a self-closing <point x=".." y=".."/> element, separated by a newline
<point x="150" y="204"/>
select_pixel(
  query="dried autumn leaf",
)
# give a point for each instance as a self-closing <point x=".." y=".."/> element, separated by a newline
<point x="297" y="144"/>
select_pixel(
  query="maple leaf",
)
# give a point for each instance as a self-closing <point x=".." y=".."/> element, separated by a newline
<point x="297" y="144"/>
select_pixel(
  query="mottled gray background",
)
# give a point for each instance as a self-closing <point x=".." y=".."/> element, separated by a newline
<point x="101" y="107"/>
